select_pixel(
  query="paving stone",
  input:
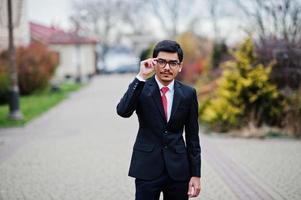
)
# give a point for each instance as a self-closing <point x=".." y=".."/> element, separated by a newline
<point x="81" y="150"/>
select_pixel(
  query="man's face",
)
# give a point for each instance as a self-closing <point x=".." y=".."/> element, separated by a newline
<point x="167" y="66"/>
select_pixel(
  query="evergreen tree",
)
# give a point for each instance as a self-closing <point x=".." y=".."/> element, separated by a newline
<point x="244" y="96"/>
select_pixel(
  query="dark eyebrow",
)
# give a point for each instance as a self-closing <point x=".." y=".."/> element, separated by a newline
<point x="168" y="60"/>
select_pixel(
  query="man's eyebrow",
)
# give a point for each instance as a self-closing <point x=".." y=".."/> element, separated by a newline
<point x="168" y="60"/>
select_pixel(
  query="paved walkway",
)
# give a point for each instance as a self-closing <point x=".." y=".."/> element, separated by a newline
<point x="81" y="150"/>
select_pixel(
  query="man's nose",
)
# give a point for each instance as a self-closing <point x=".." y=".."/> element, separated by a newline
<point x="165" y="67"/>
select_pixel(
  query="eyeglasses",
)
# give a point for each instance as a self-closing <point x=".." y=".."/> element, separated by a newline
<point x="172" y="63"/>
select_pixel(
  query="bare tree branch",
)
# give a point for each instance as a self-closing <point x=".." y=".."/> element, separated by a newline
<point x="273" y="18"/>
<point x="173" y="14"/>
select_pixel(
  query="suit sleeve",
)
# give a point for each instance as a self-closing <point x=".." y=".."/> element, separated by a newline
<point x="129" y="101"/>
<point x="192" y="138"/>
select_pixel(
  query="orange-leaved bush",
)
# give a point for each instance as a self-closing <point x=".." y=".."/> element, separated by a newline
<point x="36" y="65"/>
<point x="196" y="50"/>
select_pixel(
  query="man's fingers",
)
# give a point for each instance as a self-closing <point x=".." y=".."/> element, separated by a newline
<point x="194" y="187"/>
<point x="146" y="68"/>
<point x="197" y="191"/>
<point x="145" y="63"/>
<point x="154" y="60"/>
<point x="148" y="63"/>
<point x="194" y="191"/>
<point x="191" y="190"/>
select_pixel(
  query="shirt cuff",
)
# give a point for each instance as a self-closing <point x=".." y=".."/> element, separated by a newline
<point x="140" y="78"/>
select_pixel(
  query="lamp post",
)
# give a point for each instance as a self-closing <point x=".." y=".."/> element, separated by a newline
<point x="14" y="106"/>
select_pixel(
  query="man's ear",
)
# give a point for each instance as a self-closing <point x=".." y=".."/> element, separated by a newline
<point x="180" y="69"/>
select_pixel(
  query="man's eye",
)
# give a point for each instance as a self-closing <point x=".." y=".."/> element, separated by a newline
<point x="161" y="61"/>
<point x="173" y="63"/>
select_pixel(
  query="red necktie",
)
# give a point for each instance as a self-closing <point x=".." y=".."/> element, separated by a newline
<point x="164" y="100"/>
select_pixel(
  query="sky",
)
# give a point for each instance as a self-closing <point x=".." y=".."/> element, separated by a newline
<point x="50" y="12"/>
<point x="57" y="12"/>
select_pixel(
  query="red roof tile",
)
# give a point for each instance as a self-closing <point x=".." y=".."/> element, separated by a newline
<point x="53" y="35"/>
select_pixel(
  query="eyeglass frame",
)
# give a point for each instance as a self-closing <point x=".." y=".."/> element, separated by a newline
<point x="168" y="62"/>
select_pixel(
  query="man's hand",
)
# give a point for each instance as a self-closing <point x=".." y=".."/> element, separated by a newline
<point x="147" y="68"/>
<point x="194" y="187"/>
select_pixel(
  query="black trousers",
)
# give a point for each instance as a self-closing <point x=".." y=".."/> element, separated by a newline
<point x="172" y="190"/>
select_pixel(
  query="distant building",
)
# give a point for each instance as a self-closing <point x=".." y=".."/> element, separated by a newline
<point x="77" y="54"/>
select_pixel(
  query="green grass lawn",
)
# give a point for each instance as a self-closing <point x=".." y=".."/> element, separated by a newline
<point x="36" y="104"/>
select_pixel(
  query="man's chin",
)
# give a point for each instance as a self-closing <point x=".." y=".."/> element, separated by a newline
<point x="167" y="79"/>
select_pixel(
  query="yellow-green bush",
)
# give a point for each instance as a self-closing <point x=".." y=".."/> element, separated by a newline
<point x="244" y="94"/>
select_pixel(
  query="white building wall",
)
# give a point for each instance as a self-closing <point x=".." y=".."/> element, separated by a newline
<point x="69" y="57"/>
<point x="88" y="59"/>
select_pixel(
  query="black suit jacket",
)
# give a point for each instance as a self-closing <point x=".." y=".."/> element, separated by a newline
<point x="160" y="143"/>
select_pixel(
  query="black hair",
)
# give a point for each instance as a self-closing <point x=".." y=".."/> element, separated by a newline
<point x="168" y="46"/>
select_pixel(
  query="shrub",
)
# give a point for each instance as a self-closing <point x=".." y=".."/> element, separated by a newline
<point x="292" y="112"/>
<point x="196" y="50"/>
<point x="36" y="65"/>
<point x="244" y="95"/>
<point x="287" y="70"/>
<point x="219" y="54"/>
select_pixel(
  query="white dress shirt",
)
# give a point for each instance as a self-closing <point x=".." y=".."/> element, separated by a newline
<point x="169" y="95"/>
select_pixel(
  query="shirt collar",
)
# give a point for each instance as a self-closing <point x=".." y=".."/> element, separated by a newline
<point x="170" y="85"/>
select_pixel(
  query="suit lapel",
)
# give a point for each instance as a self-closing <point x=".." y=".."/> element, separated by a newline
<point x="154" y="92"/>
<point x="177" y="97"/>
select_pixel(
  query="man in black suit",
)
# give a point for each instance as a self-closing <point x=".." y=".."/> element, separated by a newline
<point x="162" y="161"/>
